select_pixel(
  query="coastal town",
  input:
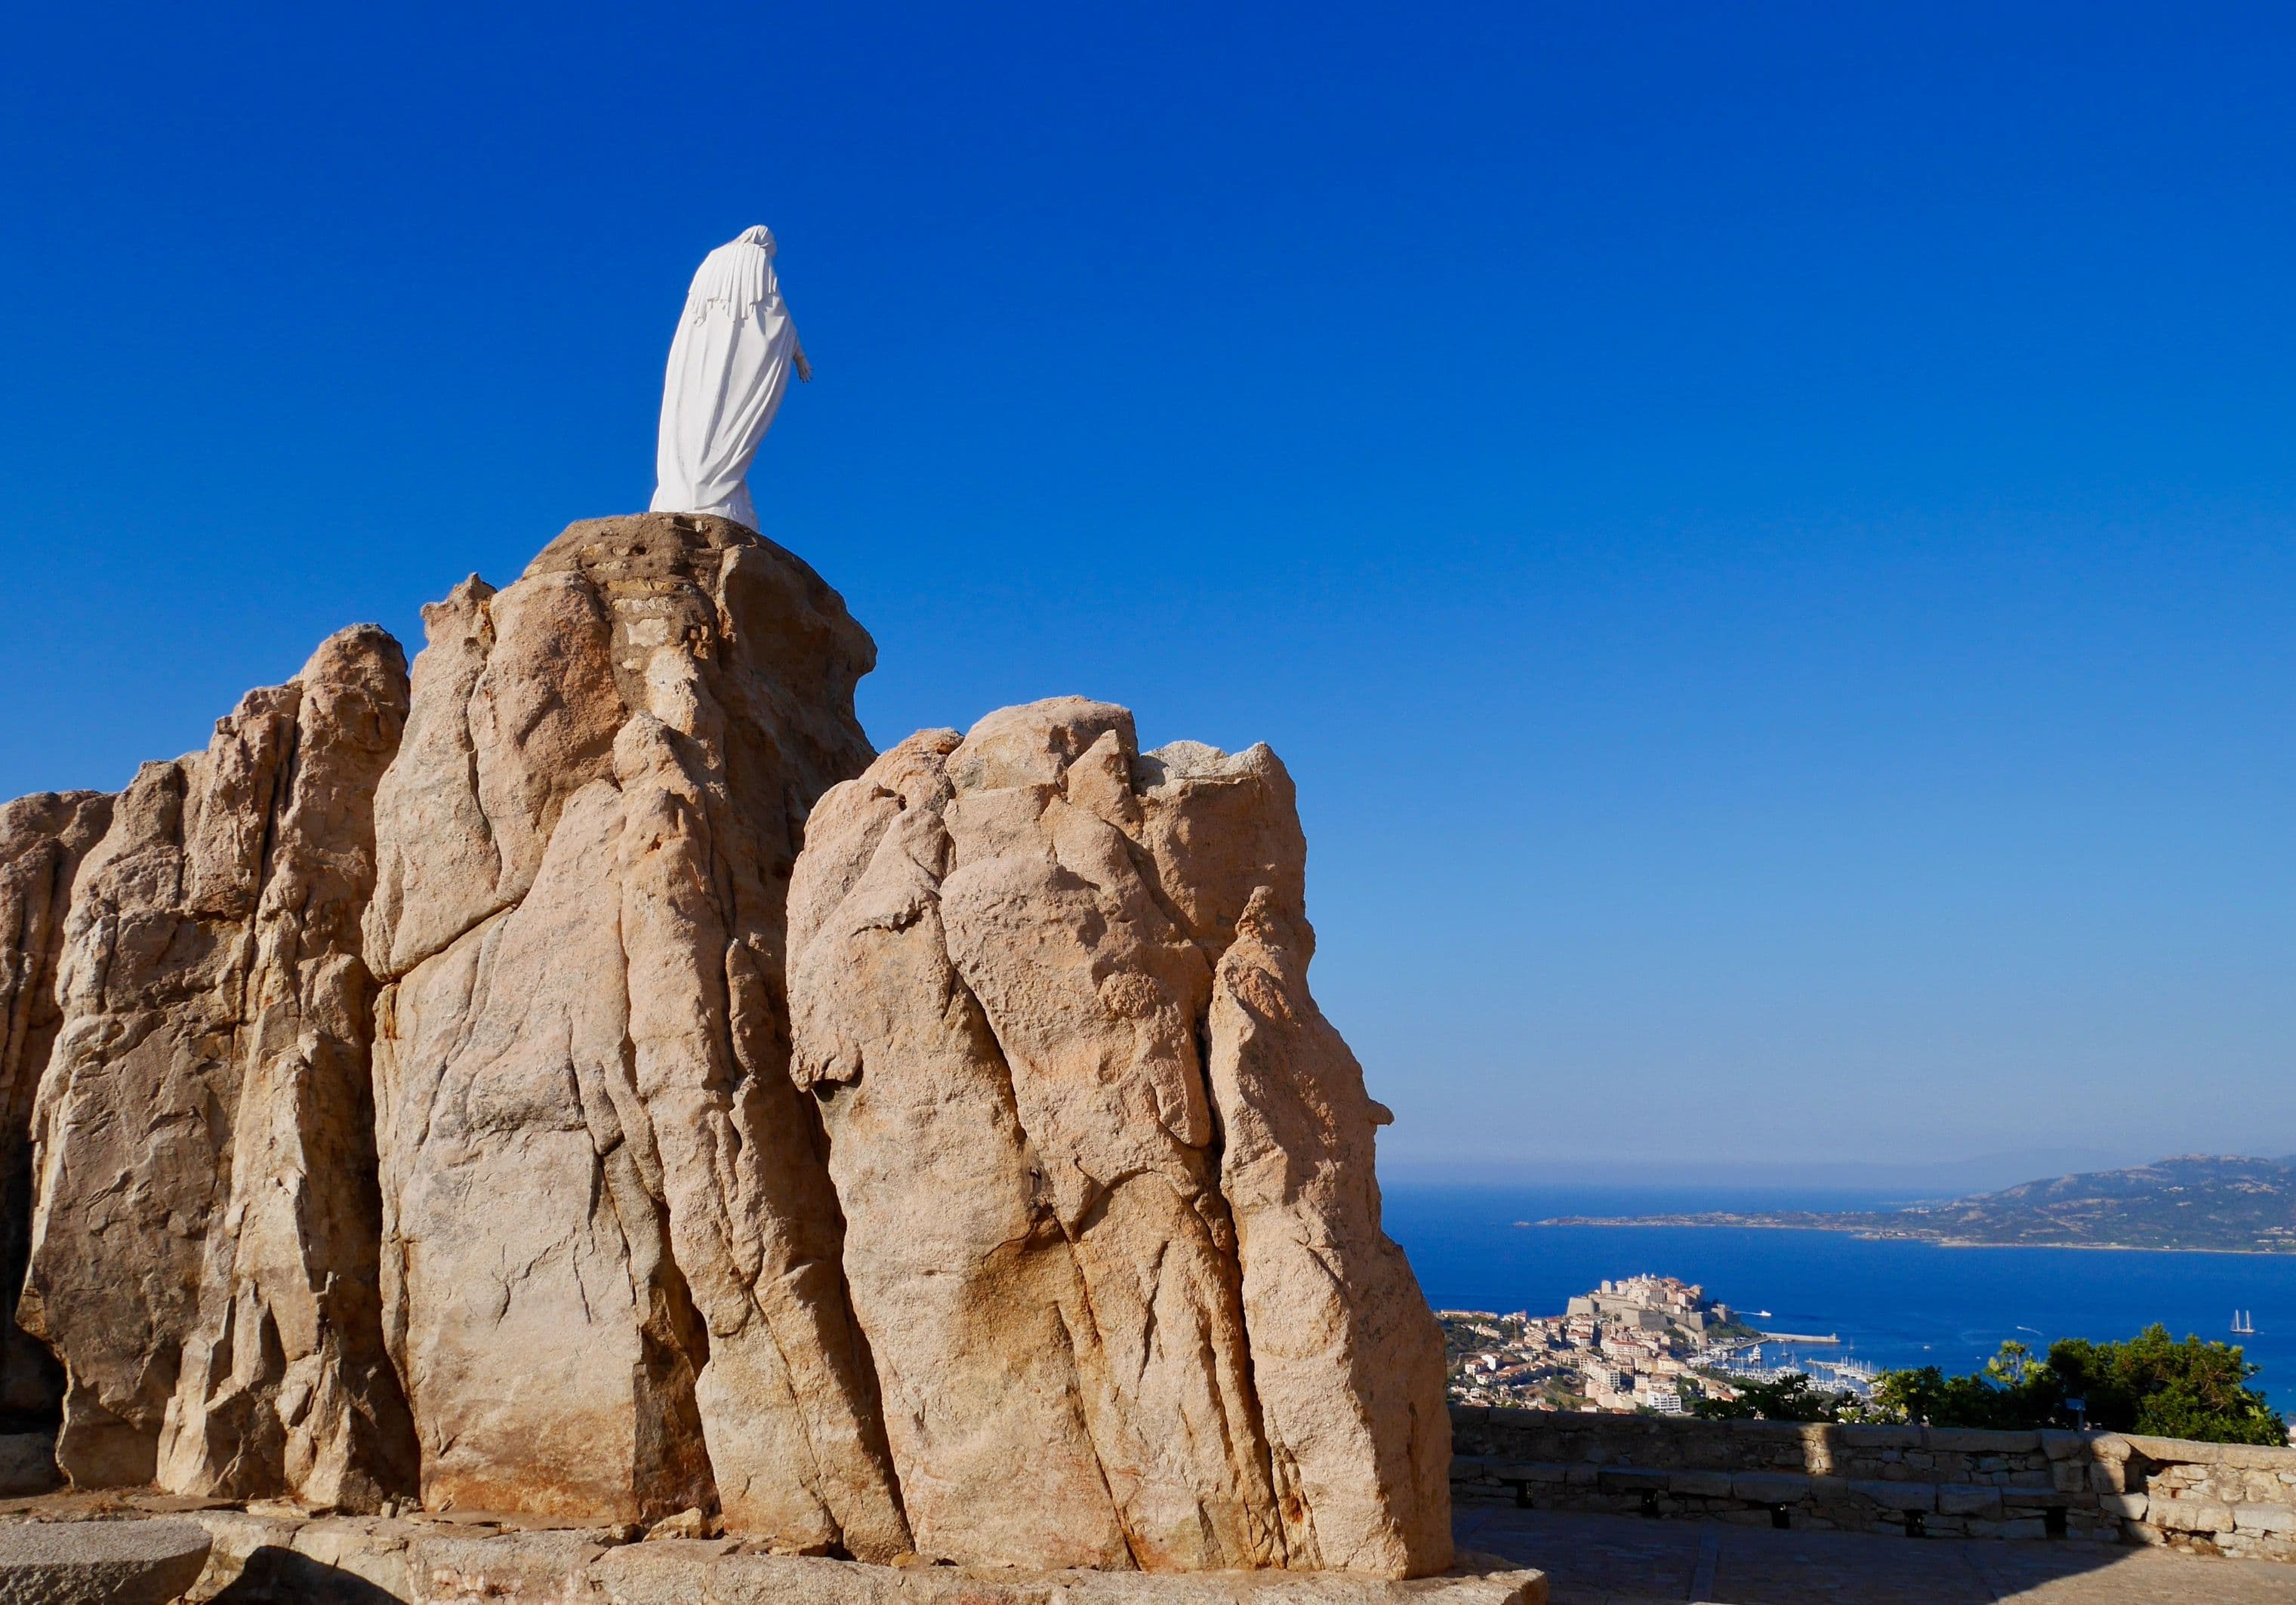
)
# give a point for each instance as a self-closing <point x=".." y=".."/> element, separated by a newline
<point x="1644" y="1343"/>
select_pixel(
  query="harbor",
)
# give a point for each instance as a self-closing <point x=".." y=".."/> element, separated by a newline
<point x="1776" y="1356"/>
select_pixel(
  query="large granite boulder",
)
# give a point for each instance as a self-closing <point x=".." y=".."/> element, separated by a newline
<point x="569" y="1085"/>
<point x="610" y="1248"/>
<point x="1106" y="1170"/>
<point x="43" y="838"/>
<point x="203" y="1256"/>
<point x="100" y="1562"/>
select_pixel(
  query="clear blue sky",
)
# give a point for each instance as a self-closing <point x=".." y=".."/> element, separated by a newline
<point x="1763" y="531"/>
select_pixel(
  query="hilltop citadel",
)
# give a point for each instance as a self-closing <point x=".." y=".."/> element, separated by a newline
<point x="1640" y="1343"/>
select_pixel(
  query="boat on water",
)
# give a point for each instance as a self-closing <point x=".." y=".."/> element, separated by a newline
<point x="2243" y="1323"/>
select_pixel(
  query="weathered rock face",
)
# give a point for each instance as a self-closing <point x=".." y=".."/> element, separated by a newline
<point x="42" y="840"/>
<point x="1106" y="1169"/>
<point x="203" y="1255"/>
<point x="471" y="1089"/>
<point x="611" y="1252"/>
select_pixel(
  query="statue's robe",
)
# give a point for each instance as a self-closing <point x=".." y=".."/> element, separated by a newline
<point x="728" y="366"/>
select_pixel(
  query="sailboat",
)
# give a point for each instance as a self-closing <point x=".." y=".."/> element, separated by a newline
<point x="2243" y="1323"/>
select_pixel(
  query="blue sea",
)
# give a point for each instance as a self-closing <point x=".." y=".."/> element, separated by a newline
<point x="1894" y="1304"/>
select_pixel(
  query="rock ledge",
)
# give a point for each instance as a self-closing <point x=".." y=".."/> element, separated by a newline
<point x="99" y="1562"/>
<point x="444" y="1559"/>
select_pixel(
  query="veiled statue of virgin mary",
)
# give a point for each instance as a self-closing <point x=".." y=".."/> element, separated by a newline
<point x="728" y="366"/>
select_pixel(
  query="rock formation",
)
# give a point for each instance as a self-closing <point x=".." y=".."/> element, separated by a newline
<point x="559" y="1085"/>
<point x="1106" y="1169"/>
<point x="610" y="1252"/>
<point x="203" y="1249"/>
<point x="42" y="840"/>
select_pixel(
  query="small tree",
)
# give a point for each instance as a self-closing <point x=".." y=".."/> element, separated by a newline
<point x="2154" y="1384"/>
<point x="2150" y="1383"/>
<point x="2013" y="1392"/>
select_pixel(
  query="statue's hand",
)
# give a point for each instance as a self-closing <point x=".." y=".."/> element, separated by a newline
<point x="804" y="369"/>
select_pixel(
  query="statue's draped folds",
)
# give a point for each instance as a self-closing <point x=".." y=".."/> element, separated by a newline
<point x="728" y="366"/>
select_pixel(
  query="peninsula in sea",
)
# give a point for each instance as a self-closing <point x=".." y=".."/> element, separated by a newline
<point x="2202" y="1202"/>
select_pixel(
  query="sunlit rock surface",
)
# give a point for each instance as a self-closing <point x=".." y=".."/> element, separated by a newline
<point x="586" y="1084"/>
<point x="610" y="1265"/>
<point x="203" y="1257"/>
<point x="1107" y="1170"/>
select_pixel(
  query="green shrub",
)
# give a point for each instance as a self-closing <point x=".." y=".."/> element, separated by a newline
<point x="1790" y="1398"/>
<point x="2150" y="1383"/>
<point x="2154" y="1384"/>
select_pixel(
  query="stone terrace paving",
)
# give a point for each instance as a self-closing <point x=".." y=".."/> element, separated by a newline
<point x="1593" y="1560"/>
<point x="1587" y="1559"/>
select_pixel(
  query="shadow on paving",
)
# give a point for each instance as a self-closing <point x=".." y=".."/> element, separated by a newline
<point x="1592" y="1559"/>
<point x="280" y="1576"/>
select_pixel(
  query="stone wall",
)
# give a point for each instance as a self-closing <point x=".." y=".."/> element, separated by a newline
<point x="1930" y="1481"/>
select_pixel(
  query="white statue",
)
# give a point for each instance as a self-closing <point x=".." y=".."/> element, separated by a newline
<point x="728" y="366"/>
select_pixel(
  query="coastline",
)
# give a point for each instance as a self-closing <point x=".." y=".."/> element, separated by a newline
<point x="1900" y="1303"/>
<point x="1868" y="1235"/>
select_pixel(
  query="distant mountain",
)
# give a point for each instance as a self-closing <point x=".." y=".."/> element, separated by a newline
<point x="1867" y="1181"/>
<point x="2203" y="1201"/>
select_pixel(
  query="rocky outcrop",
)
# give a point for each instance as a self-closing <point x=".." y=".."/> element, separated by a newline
<point x="567" y="1085"/>
<point x="1106" y="1169"/>
<point x="610" y="1249"/>
<point x="203" y="1249"/>
<point x="42" y="840"/>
